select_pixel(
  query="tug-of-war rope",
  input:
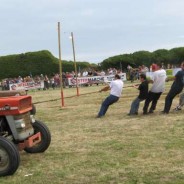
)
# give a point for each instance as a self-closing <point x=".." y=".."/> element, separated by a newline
<point x="76" y="95"/>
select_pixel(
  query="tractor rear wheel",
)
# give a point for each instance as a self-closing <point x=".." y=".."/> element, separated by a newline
<point x="9" y="157"/>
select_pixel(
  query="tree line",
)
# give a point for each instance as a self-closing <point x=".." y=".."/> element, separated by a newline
<point x="35" y="63"/>
<point x="173" y="57"/>
<point x="43" y="62"/>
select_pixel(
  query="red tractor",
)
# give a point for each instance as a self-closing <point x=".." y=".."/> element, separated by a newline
<point x="19" y="131"/>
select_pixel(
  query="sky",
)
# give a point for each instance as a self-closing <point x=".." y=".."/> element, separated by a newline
<point x="101" y="28"/>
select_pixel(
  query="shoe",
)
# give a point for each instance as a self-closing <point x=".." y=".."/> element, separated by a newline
<point x="177" y="109"/>
<point x="151" y="111"/>
<point x="164" y="112"/>
<point x="145" y="113"/>
<point x="99" y="116"/>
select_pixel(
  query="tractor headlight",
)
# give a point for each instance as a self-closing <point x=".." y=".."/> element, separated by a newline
<point x="20" y="123"/>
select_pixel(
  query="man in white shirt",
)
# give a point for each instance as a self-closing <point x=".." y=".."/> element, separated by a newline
<point x="116" y="88"/>
<point x="85" y="74"/>
<point x="158" y="79"/>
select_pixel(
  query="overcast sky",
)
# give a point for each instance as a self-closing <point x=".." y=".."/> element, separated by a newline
<point x="101" y="28"/>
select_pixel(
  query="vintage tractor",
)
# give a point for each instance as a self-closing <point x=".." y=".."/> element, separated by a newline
<point x="19" y="131"/>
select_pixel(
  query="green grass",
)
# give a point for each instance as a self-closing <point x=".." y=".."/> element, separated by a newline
<point x="114" y="149"/>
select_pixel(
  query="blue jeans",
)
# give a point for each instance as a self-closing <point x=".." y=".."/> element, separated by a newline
<point x="105" y="105"/>
<point x="135" y="106"/>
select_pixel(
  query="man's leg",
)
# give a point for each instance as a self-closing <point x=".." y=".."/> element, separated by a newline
<point x="135" y="106"/>
<point x="105" y="105"/>
<point x="168" y="100"/>
<point x="147" y="102"/>
<point x="156" y="96"/>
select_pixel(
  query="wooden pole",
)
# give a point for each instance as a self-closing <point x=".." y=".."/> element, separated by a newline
<point x="75" y="66"/>
<point x="60" y="67"/>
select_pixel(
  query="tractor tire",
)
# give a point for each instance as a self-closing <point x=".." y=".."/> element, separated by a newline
<point x="9" y="157"/>
<point x="39" y="126"/>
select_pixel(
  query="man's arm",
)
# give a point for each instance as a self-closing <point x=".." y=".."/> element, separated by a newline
<point x="150" y="81"/>
<point x="170" y="79"/>
<point x="106" y="88"/>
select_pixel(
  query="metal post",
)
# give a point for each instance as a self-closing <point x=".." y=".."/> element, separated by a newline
<point x="60" y="67"/>
<point x="75" y="66"/>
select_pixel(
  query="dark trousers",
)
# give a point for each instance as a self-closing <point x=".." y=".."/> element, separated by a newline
<point x="152" y="97"/>
<point x="169" y="98"/>
<point x="105" y="105"/>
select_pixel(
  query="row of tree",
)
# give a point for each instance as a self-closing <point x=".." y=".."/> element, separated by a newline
<point x="35" y="63"/>
<point x="173" y="57"/>
<point x="43" y="62"/>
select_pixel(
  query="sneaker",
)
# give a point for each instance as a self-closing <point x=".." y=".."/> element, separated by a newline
<point x="177" y="109"/>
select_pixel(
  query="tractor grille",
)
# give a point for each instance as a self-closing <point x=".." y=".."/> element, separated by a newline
<point x="25" y="103"/>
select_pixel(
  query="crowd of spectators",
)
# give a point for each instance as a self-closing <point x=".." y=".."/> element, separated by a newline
<point x="53" y="81"/>
<point x="134" y="73"/>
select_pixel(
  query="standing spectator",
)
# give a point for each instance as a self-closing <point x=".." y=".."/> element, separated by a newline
<point x="85" y="73"/>
<point x="116" y="88"/>
<point x="95" y="73"/>
<point x="102" y="73"/>
<point x="46" y="82"/>
<point x="90" y="73"/>
<point x="57" y="80"/>
<point x="144" y="69"/>
<point x="163" y="66"/>
<point x="132" y="75"/>
<point x="110" y="71"/>
<point x="20" y="79"/>
<point x="52" y="82"/>
<point x="143" y="92"/>
<point x="129" y="67"/>
<point x="64" y="79"/>
<point x="68" y="77"/>
<point x="158" y="87"/>
<point x="176" y="88"/>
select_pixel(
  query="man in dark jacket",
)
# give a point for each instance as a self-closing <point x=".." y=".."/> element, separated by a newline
<point x="176" y="88"/>
<point x="143" y="92"/>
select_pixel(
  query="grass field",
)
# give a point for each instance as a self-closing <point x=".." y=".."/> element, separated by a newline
<point x="114" y="149"/>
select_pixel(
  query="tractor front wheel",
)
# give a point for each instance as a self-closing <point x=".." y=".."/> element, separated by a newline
<point x="45" y="138"/>
<point x="9" y="157"/>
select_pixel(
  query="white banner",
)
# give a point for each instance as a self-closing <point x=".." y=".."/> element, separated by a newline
<point x="26" y="86"/>
<point x="94" y="79"/>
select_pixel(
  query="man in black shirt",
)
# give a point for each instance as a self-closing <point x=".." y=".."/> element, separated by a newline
<point x="176" y="88"/>
<point x="143" y="92"/>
